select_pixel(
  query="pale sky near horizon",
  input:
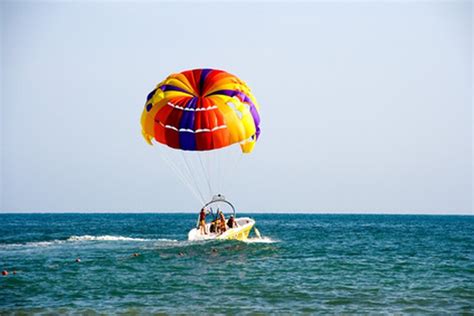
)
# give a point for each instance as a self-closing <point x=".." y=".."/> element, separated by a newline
<point x="366" y="107"/>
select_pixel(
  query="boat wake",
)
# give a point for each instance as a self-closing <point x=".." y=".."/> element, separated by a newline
<point x="84" y="238"/>
<point x="263" y="240"/>
<point x="152" y="242"/>
<point x="106" y="238"/>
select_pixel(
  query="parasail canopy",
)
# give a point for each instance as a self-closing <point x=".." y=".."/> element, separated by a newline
<point x="201" y="110"/>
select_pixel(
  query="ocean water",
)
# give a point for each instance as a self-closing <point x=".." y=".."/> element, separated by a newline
<point x="305" y="264"/>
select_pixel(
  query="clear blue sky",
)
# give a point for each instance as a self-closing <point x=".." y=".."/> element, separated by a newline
<point x="366" y="107"/>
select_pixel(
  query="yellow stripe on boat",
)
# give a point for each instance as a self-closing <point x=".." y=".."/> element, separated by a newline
<point x="236" y="233"/>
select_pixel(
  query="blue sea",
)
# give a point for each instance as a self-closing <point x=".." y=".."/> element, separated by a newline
<point x="310" y="264"/>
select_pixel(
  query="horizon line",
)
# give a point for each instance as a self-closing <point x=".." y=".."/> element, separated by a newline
<point x="248" y="212"/>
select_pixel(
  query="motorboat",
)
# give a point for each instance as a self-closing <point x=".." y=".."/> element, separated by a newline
<point x="241" y="232"/>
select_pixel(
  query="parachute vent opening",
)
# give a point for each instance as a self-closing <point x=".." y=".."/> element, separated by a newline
<point x="235" y="109"/>
<point x="251" y="139"/>
<point x="247" y="106"/>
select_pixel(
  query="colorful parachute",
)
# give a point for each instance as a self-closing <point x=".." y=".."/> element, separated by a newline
<point x="201" y="110"/>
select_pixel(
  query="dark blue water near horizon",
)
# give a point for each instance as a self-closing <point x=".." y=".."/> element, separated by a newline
<point x="307" y="263"/>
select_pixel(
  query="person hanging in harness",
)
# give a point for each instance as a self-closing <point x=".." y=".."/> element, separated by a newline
<point x="202" y="222"/>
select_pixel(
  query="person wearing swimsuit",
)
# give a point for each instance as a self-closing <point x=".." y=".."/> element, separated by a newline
<point x="222" y="225"/>
<point x="202" y="222"/>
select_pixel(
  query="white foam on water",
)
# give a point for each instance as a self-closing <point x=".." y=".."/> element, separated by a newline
<point x="164" y="239"/>
<point x="41" y="243"/>
<point x="104" y="238"/>
<point x="33" y="244"/>
<point x="44" y="243"/>
<point x="263" y="240"/>
<point x="83" y="238"/>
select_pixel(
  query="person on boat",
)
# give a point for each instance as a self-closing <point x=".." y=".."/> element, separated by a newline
<point x="222" y="226"/>
<point x="232" y="223"/>
<point x="212" y="227"/>
<point x="202" y="222"/>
